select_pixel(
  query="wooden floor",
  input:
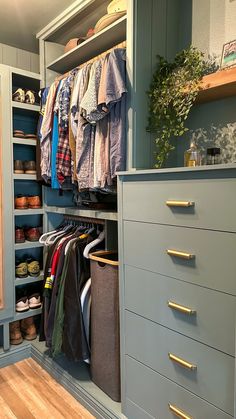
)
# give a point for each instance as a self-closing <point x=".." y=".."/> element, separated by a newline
<point x="27" y="392"/>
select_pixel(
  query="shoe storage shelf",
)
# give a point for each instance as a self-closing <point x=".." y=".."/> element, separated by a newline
<point x="18" y="118"/>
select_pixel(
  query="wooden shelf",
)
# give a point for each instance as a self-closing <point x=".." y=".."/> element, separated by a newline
<point x="28" y="313"/>
<point x="24" y="177"/>
<point x="25" y="106"/>
<point x="24" y="141"/>
<point x="27" y="245"/>
<point x="74" y="211"/>
<point x="29" y="211"/>
<point x="93" y="46"/>
<point x="217" y="86"/>
<point x="29" y="279"/>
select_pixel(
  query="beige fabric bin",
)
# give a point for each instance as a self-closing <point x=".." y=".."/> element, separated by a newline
<point x="105" y="331"/>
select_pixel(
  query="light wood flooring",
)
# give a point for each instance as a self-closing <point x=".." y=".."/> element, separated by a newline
<point x="27" y="391"/>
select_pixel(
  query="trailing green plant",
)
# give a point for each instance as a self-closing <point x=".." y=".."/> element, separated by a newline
<point x="172" y="93"/>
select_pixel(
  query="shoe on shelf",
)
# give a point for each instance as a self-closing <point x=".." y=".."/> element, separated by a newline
<point x="28" y="328"/>
<point x="18" y="133"/>
<point x="15" y="333"/>
<point x="29" y="97"/>
<point x="34" y="201"/>
<point x="29" y="167"/>
<point x="22" y="304"/>
<point x="32" y="136"/>
<point x="21" y="269"/>
<point x="19" y="235"/>
<point x="21" y="202"/>
<point x="19" y="95"/>
<point x="33" y="267"/>
<point x="35" y="301"/>
<point x="32" y="234"/>
<point x="18" y="167"/>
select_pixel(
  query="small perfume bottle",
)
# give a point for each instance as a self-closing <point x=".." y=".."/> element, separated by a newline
<point x="192" y="156"/>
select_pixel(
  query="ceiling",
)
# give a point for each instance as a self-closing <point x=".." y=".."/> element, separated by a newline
<point x="20" y="20"/>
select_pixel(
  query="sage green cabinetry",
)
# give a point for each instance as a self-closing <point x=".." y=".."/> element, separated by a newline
<point x="177" y="291"/>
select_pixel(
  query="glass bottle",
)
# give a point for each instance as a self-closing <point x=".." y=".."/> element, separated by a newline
<point x="213" y="155"/>
<point x="192" y="156"/>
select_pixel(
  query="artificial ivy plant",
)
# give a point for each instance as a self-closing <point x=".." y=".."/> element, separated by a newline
<point x="173" y="90"/>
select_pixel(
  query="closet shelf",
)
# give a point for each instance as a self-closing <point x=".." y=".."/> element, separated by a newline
<point x="18" y="212"/>
<point x="98" y="43"/>
<point x="25" y="106"/>
<point x="218" y="85"/>
<point x="27" y="245"/>
<point x="28" y="313"/>
<point x="101" y="214"/>
<point x="24" y="177"/>
<point x="29" y="279"/>
<point x="24" y="141"/>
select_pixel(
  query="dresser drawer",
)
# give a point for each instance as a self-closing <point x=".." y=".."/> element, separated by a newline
<point x="153" y="393"/>
<point x="208" y="372"/>
<point x="213" y="322"/>
<point x="213" y="202"/>
<point x="213" y="265"/>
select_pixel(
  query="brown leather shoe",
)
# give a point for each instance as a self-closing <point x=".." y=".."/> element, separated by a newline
<point x="32" y="234"/>
<point x="21" y="202"/>
<point x="15" y="333"/>
<point x="28" y="328"/>
<point x="34" y="202"/>
<point x="19" y="235"/>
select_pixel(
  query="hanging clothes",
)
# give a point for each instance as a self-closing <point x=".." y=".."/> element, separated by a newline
<point x="90" y="113"/>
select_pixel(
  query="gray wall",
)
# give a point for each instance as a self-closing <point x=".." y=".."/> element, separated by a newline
<point x="19" y="58"/>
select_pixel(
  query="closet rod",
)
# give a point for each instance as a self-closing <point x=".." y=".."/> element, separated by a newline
<point x="84" y="219"/>
<point x="92" y="60"/>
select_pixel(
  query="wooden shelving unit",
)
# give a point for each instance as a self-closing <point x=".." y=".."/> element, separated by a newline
<point x="24" y="177"/>
<point x="24" y="141"/>
<point x="28" y="313"/>
<point x="217" y="86"/>
<point x="29" y="279"/>
<point x="25" y="106"/>
<point x="74" y="211"/>
<point x="29" y="211"/>
<point x="27" y="245"/>
<point x="100" y="42"/>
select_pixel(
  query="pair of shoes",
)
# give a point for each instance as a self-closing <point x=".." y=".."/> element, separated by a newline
<point x="22" y="329"/>
<point x="29" y="267"/>
<point x="25" y="202"/>
<point x="26" y="303"/>
<point x="32" y="234"/>
<point x="24" y="96"/>
<point x="20" y="134"/>
<point x="28" y="167"/>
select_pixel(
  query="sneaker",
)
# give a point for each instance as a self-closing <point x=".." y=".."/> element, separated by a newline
<point x="35" y="301"/>
<point x="19" y="95"/>
<point x="29" y="97"/>
<point x="21" y="269"/>
<point x="22" y="305"/>
<point x="33" y="267"/>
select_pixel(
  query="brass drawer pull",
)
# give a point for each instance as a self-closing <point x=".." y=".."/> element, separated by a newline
<point x="180" y="308"/>
<point x="185" y="204"/>
<point x="182" y="362"/>
<point x="181" y="255"/>
<point x="179" y="412"/>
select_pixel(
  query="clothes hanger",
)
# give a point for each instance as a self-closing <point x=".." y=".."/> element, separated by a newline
<point x="41" y="239"/>
<point x="94" y="243"/>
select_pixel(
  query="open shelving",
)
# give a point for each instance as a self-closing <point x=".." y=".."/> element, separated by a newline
<point x="27" y="245"/>
<point x="29" y="279"/>
<point x="24" y="141"/>
<point x="24" y="177"/>
<point x="75" y="211"/>
<point x="100" y="42"/>
<point x="218" y="85"/>
<point x="28" y="313"/>
<point x="25" y="106"/>
<point x="29" y="211"/>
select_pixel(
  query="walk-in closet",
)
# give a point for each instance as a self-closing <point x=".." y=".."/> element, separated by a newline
<point x="117" y="209"/>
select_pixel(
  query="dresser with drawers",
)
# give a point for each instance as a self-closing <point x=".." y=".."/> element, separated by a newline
<point x="177" y="244"/>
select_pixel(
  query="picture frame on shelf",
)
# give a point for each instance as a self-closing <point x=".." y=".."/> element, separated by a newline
<point x="228" y="56"/>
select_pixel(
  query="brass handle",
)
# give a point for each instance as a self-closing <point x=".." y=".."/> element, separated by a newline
<point x="179" y="412"/>
<point x="183" y="204"/>
<point x="182" y="362"/>
<point x="181" y="255"/>
<point x="180" y="308"/>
